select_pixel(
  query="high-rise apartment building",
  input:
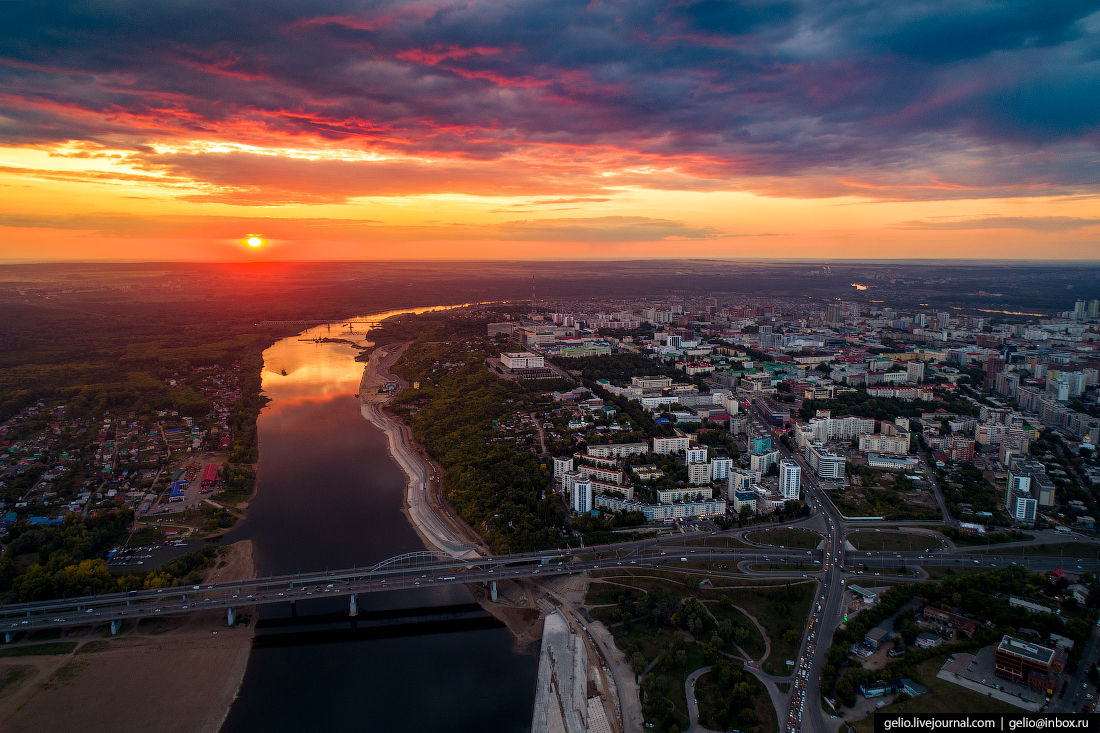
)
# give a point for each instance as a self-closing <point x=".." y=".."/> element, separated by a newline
<point x="790" y="479"/>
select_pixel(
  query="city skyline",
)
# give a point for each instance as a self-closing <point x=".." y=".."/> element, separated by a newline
<point x="483" y="131"/>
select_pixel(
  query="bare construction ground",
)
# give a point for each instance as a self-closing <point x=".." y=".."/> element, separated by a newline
<point x="169" y="675"/>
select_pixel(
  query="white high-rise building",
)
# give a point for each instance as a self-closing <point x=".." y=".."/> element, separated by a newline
<point x="582" y="496"/>
<point x="695" y="455"/>
<point x="1026" y="509"/>
<point x="790" y="479"/>
<point x="914" y="372"/>
<point x="720" y="468"/>
<point x="698" y="473"/>
<point x="763" y="461"/>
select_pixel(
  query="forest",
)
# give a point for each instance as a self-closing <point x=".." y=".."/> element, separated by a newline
<point x="498" y="487"/>
<point x="42" y="563"/>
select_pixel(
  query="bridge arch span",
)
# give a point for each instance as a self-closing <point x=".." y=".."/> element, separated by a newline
<point x="412" y="560"/>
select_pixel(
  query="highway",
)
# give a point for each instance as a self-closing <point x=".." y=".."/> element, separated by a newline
<point x="424" y="570"/>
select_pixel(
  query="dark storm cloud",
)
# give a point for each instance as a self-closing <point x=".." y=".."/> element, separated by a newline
<point x="991" y="98"/>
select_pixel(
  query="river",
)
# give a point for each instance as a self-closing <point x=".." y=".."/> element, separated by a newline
<point x="329" y="496"/>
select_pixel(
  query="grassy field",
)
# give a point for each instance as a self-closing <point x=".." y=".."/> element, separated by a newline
<point x="977" y="540"/>
<point x="10" y="675"/>
<point x="56" y="647"/>
<point x="1061" y="549"/>
<point x="891" y="541"/>
<point x="644" y="576"/>
<point x="943" y="698"/>
<point x="793" y="538"/>
<point x="940" y="572"/>
<point x="778" y="616"/>
<point x="91" y="647"/>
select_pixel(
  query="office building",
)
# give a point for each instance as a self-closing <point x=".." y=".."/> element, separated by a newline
<point x="1026" y="663"/>
<point x="522" y="360"/>
<point x="744" y="498"/>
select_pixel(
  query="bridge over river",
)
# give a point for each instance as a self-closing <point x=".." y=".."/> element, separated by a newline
<point x="428" y="569"/>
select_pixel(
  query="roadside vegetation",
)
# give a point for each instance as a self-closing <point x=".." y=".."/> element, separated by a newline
<point x="669" y="628"/>
<point x="892" y="541"/>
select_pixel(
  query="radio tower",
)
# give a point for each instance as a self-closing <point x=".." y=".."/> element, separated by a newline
<point x="533" y="308"/>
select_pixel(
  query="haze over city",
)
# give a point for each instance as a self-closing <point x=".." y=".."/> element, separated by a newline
<point x="388" y="130"/>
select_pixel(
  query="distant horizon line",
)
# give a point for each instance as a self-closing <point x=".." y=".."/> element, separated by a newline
<point x="999" y="261"/>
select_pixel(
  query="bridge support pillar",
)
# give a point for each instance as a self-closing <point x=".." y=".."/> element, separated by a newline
<point x="354" y="610"/>
<point x="294" y="609"/>
<point x="493" y="590"/>
<point x="232" y="616"/>
<point x="115" y="626"/>
<point x="8" y="636"/>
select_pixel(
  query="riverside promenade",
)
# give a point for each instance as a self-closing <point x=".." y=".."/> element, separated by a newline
<point x="433" y="530"/>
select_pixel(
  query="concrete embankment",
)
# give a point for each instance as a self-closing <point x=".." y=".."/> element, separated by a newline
<point x="432" y="530"/>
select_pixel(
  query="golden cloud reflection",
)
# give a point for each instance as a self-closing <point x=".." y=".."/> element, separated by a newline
<point x="300" y="369"/>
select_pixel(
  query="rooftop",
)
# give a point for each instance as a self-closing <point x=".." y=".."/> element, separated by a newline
<point x="1027" y="650"/>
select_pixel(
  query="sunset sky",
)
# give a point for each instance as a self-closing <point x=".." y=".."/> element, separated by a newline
<point x="533" y="129"/>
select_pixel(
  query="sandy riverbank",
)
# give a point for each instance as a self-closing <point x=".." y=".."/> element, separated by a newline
<point x="424" y="517"/>
<point x="174" y="674"/>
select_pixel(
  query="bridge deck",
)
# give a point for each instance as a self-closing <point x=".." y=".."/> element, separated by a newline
<point x="413" y="574"/>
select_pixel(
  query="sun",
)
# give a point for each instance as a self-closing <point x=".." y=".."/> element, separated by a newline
<point x="254" y="242"/>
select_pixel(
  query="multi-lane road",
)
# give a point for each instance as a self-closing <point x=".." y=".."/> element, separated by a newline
<point x="431" y="570"/>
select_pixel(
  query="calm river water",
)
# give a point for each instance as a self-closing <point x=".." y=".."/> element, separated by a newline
<point x="330" y="497"/>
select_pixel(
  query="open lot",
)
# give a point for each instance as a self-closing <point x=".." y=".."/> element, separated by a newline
<point x="882" y="499"/>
